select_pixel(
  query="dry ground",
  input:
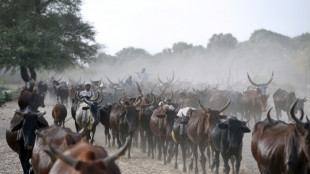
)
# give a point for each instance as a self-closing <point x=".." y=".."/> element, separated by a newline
<point x="138" y="164"/>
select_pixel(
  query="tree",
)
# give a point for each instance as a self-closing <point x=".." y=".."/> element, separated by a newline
<point x="44" y="34"/>
<point x="131" y="52"/>
<point x="222" y="42"/>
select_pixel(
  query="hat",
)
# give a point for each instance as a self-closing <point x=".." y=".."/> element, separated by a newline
<point x="87" y="83"/>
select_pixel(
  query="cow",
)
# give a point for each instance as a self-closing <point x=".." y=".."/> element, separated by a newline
<point x="104" y="115"/>
<point x="283" y="100"/>
<point x="168" y="82"/>
<point x="226" y="138"/>
<point x="61" y="91"/>
<point x="87" y="117"/>
<point x="83" y="158"/>
<point x="20" y="135"/>
<point x="60" y="138"/>
<point x="254" y="103"/>
<point x="262" y="86"/>
<point x="30" y="92"/>
<point x="199" y="128"/>
<point x="279" y="147"/>
<point x="59" y="114"/>
<point x="179" y="137"/>
<point x="161" y="124"/>
<point x="124" y="119"/>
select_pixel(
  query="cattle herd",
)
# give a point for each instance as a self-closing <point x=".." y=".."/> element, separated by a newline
<point x="204" y="123"/>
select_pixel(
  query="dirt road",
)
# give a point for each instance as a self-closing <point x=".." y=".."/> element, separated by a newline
<point x="138" y="164"/>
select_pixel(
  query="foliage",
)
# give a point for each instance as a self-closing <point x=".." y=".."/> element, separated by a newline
<point x="47" y="34"/>
<point x="131" y="52"/>
<point x="4" y="97"/>
<point x="222" y="42"/>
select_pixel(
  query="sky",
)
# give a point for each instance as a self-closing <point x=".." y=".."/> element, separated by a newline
<point x="156" y="24"/>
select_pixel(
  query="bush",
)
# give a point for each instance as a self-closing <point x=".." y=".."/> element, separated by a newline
<point x="5" y="96"/>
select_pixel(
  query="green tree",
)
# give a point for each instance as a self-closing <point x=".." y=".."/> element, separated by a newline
<point x="44" y="34"/>
<point x="131" y="52"/>
<point x="222" y="42"/>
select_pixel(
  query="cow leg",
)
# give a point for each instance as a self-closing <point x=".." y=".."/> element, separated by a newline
<point x="129" y="147"/>
<point x="216" y="161"/>
<point x="232" y="160"/>
<point x="183" y="148"/>
<point x="203" y="158"/>
<point x="150" y="145"/>
<point x="209" y="156"/>
<point x="194" y="155"/>
<point x="176" y="149"/>
<point x="159" y="143"/>
<point x="93" y="135"/>
<point x="238" y="162"/>
<point x="165" y="147"/>
<point x="171" y="149"/>
<point x="24" y="157"/>
<point x="226" y="165"/>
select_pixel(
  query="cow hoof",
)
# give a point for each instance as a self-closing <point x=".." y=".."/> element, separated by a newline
<point x="176" y="166"/>
<point x="184" y="169"/>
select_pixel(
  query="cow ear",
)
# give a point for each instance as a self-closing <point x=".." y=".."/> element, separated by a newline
<point x="245" y="129"/>
<point x="223" y="125"/>
<point x="300" y="129"/>
<point x="17" y="126"/>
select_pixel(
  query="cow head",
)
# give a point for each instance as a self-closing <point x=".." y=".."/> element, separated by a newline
<point x="37" y="99"/>
<point x="168" y="114"/>
<point x="180" y="124"/>
<point x="42" y="87"/>
<point x="131" y="113"/>
<point x="262" y="100"/>
<point x="235" y="130"/>
<point x="214" y="115"/>
<point x="92" y="103"/>
<point x="262" y="86"/>
<point x="29" y="123"/>
<point x="90" y="163"/>
<point x="168" y="82"/>
<point x="303" y="129"/>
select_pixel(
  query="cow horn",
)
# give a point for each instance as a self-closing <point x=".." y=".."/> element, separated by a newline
<point x="194" y="89"/>
<point x="223" y="109"/>
<point x="202" y="107"/>
<point x="137" y="102"/>
<point x="100" y="100"/>
<point x="250" y="80"/>
<point x="87" y="101"/>
<point x="125" y="98"/>
<point x="160" y="80"/>
<point x="270" y="79"/>
<point x="39" y="134"/>
<point x="33" y="74"/>
<point x="41" y="114"/>
<point x="109" y="80"/>
<point x="171" y="96"/>
<point x="120" y="103"/>
<point x="270" y="120"/>
<point x="77" y="96"/>
<point x="98" y="95"/>
<point x="163" y="91"/>
<point x="79" y="80"/>
<point x="292" y="114"/>
<point x="56" y="154"/>
<point x="106" y="161"/>
<point x="81" y="131"/>
<point x="170" y="81"/>
<point x="307" y="119"/>
<point x="153" y="99"/>
<point x="139" y="89"/>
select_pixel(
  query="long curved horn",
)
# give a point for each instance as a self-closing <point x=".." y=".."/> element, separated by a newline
<point x="270" y="79"/>
<point x="109" y="80"/>
<point x="171" y="96"/>
<point x="77" y="96"/>
<point x="106" y="161"/>
<point x="160" y="80"/>
<point x="139" y="89"/>
<point x="251" y="81"/>
<point x="91" y="81"/>
<point x="137" y="103"/>
<point x="163" y="91"/>
<point x="39" y="134"/>
<point x="223" y="109"/>
<point x="202" y="107"/>
<point x="87" y="102"/>
<point x="270" y="120"/>
<point x="170" y="81"/>
<point x="100" y="100"/>
<point x="292" y="114"/>
<point x="153" y="99"/>
<point x="98" y="95"/>
<point x="70" y="80"/>
<point x="56" y="154"/>
<point x="120" y="103"/>
<point x="307" y="119"/>
<point x="79" y="80"/>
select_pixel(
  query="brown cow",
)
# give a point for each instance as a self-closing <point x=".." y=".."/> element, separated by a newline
<point x="60" y="138"/>
<point x="283" y="100"/>
<point x="199" y="127"/>
<point x="254" y="104"/>
<point x="161" y="124"/>
<point x="83" y="158"/>
<point x="281" y="148"/>
<point x="59" y="114"/>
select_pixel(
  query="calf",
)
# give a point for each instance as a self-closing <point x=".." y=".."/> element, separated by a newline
<point x="59" y="114"/>
<point x="59" y="137"/>
<point x="83" y="158"/>
<point x="226" y="138"/>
